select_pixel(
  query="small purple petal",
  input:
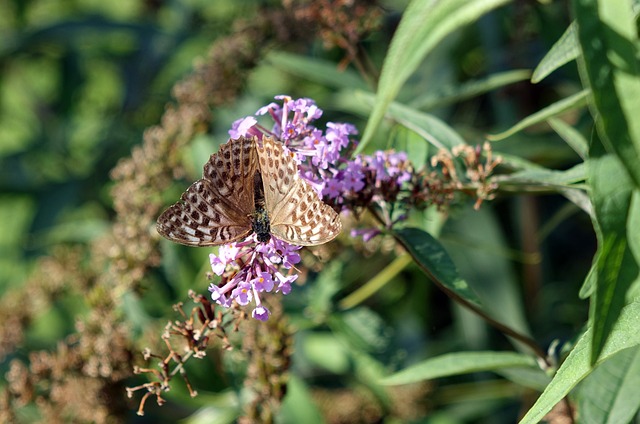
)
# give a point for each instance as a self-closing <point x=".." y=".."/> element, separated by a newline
<point x="217" y="265"/>
<point x="261" y="313"/>
<point x="242" y="126"/>
<point x="366" y="233"/>
<point x="264" y="282"/>
<point x="217" y="295"/>
<point x="242" y="293"/>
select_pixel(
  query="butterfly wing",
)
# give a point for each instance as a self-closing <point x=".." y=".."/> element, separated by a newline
<point x="296" y="212"/>
<point x="216" y="209"/>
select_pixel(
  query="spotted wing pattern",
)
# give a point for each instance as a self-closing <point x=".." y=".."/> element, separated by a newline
<point x="218" y="208"/>
<point x="296" y="212"/>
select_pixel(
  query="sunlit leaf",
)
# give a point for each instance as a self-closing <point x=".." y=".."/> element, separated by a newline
<point x="459" y="363"/>
<point x="562" y="52"/>
<point x="610" y="393"/>
<point x="575" y="101"/>
<point x="578" y="364"/>
<point x="423" y="26"/>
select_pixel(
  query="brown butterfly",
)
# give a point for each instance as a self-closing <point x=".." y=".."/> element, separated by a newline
<point x="250" y="186"/>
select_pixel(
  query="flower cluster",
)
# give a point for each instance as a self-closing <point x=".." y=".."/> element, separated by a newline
<point x="249" y="268"/>
<point x="384" y="183"/>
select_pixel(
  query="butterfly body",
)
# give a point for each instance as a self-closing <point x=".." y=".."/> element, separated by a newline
<point x="249" y="186"/>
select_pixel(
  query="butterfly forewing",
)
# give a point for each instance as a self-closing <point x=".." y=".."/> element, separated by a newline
<point x="216" y="209"/>
<point x="296" y="212"/>
<point x="232" y="172"/>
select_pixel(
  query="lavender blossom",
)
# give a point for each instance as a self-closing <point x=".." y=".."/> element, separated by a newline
<point x="248" y="269"/>
<point x="322" y="156"/>
<point x="384" y="182"/>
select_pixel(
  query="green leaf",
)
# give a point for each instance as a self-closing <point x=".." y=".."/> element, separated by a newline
<point x="428" y="126"/>
<point x="610" y="394"/>
<point x="222" y="408"/>
<point x="321" y="71"/>
<point x="363" y="328"/>
<point x="298" y="405"/>
<point x="615" y="266"/>
<point x="571" y="136"/>
<point x="457" y="92"/>
<point x="435" y="261"/>
<point x="16" y="214"/>
<point x="431" y="128"/>
<point x="459" y="363"/>
<point x="572" y="102"/>
<point x="578" y="364"/>
<point x="547" y="177"/>
<point x="406" y="140"/>
<point x="533" y="378"/>
<point x="633" y="235"/>
<point x="424" y="24"/>
<point x="589" y="284"/>
<point x="616" y="271"/>
<point x="562" y="52"/>
<point x="610" y="67"/>
<point x="324" y="349"/>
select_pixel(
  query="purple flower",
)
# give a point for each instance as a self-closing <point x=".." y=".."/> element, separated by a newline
<point x="241" y="127"/>
<point x="242" y="293"/>
<point x="333" y="188"/>
<point x="217" y="264"/>
<point x="284" y="283"/>
<point x="263" y="282"/>
<point x="366" y="233"/>
<point x="249" y="268"/>
<point x="290" y="259"/>
<point x="217" y="294"/>
<point x="261" y="313"/>
<point x="353" y="177"/>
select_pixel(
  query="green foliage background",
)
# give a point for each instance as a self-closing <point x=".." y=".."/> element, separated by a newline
<point x="493" y="316"/>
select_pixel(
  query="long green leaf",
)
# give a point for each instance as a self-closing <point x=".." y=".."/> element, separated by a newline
<point x="423" y="25"/>
<point x="434" y="259"/>
<point x="562" y="52"/>
<point x="571" y="136"/>
<point x="298" y="405"/>
<point x="578" y="364"/>
<point x="459" y="363"/>
<point x="633" y="235"/>
<point x="458" y="92"/>
<point x="482" y="255"/>
<point x="615" y="266"/>
<point x="572" y="102"/>
<point x="433" y="129"/>
<point x="610" y="67"/>
<point x="610" y="394"/>
<point x="545" y="176"/>
<point x="314" y="69"/>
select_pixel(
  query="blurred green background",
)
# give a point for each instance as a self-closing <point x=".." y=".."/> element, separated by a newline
<point x="80" y="81"/>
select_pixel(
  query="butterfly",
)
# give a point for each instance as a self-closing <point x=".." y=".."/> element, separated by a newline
<point x="250" y="186"/>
